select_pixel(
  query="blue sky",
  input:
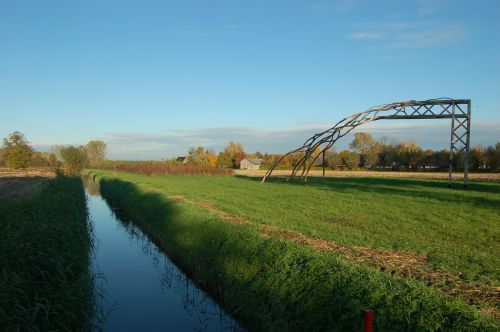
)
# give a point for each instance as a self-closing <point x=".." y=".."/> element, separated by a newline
<point x="152" y="78"/>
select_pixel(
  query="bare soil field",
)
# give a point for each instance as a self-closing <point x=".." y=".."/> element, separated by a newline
<point x="19" y="183"/>
<point x="346" y="174"/>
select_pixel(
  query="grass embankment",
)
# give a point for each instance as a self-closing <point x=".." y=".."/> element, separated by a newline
<point x="375" y="243"/>
<point x="45" y="282"/>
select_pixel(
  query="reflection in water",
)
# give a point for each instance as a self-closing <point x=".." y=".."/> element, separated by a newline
<point x="150" y="292"/>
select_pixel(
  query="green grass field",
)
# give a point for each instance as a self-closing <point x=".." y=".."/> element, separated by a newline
<point x="451" y="233"/>
<point x="45" y="282"/>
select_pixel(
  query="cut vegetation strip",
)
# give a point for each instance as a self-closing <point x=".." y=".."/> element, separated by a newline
<point x="45" y="283"/>
<point x="485" y="297"/>
<point x="276" y="284"/>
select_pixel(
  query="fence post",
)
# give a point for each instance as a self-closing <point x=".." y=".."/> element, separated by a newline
<point x="368" y="320"/>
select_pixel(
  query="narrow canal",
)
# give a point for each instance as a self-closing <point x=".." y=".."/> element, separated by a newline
<point x="141" y="289"/>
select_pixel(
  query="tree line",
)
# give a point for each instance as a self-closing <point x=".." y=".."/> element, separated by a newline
<point x="16" y="152"/>
<point x="364" y="152"/>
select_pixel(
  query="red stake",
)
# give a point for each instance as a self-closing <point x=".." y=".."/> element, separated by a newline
<point x="368" y="320"/>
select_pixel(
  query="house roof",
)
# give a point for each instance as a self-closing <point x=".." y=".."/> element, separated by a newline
<point x="255" y="161"/>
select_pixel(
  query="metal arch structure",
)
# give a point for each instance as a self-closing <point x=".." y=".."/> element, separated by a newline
<point x="458" y="110"/>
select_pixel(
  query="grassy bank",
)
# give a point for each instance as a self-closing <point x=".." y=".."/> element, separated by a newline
<point x="44" y="258"/>
<point x="227" y="233"/>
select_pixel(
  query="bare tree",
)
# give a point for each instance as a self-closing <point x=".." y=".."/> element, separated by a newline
<point x="96" y="152"/>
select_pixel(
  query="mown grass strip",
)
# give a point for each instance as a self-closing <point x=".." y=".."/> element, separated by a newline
<point x="45" y="283"/>
<point x="406" y="264"/>
<point x="456" y="230"/>
<point x="274" y="284"/>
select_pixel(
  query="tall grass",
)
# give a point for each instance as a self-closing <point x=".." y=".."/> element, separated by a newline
<point x="45" y="282"/>
<point x="272" y="284"/>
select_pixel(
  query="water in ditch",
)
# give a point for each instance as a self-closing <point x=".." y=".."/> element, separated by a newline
<point x="140" y="288"/>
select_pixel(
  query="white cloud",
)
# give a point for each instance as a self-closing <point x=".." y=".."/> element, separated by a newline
<point x="429" y="134"/>
<point x="394" y="35"/>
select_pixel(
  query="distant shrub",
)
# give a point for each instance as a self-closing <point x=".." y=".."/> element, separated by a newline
<point x="75" y="158"/>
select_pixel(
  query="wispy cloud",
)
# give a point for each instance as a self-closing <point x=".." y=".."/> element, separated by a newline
<point x="137" y="145"/>
<point x="396" y="35"/>
<point x="430" y="7"/>
<point x="365" y="35"/>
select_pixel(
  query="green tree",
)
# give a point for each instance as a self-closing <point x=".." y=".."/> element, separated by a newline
<point x="334" y="160"/>
<point x="224" y="161"/>
<point x="17" y="152"/>
<point x="96" y="152"/>
<point x="492" y="155"/>
<point x="75" y="158"/>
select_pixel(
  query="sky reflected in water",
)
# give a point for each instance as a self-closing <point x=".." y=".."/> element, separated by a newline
<point x="143" y="289"/>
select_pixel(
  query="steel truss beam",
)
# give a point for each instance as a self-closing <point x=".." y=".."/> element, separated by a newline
<point x="458" y="110"/>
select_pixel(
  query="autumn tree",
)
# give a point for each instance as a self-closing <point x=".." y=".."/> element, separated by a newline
<point x="363" y="143"/>
<point x="2" y="158"/>
<point x="39" y="160"/>
<point x="366" y="146"/>
<point x="197" y="156"/>
<point x="75" y="158"/>
<point x="410" y="154"/>
<point x="477" y="157"/>
<point x="212" y="157"/>
<point x="17" y="153"/>
<point x="233" y="152"/>
<point x="350" y="159"/>
<point x="96" y="152"/>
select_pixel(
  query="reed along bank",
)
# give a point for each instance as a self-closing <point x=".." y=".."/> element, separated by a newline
<point x="45" y="245"/>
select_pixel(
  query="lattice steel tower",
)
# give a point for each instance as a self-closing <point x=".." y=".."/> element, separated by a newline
<point x="458" y="110"/>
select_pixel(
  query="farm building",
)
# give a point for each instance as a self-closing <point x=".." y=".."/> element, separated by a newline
<point x="181" y="160"/>
<point x="251" y="163"/>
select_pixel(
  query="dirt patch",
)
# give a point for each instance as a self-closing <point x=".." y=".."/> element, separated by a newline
<point x="212" y="208"/>
<point x="45" y="172"/>
<point x="405" y="264"/>
<point x="485" y="297"/>
<point x="22" y="183"/>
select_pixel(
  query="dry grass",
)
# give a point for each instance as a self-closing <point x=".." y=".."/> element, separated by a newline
<point x="23" y="182"/>
<point x="27" y="172"/>
<point x="346" y="174"/>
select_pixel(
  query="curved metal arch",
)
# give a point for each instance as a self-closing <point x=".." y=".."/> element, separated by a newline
<point x="458" y="110"/>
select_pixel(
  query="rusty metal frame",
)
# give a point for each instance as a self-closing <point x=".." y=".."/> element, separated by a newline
<point x="458" y="110"/>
